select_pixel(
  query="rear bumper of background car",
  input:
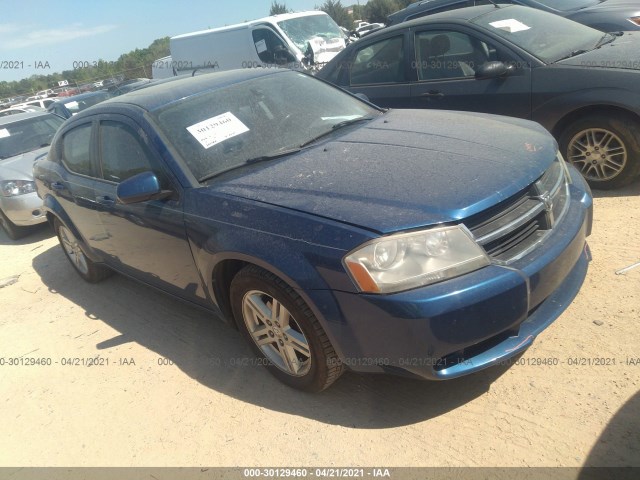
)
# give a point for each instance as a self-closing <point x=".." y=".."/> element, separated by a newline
<point x="24" y="210"/>
<point x="469" y="323"/>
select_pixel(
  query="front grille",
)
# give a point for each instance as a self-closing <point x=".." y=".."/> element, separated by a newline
<point x="513" y="228"/>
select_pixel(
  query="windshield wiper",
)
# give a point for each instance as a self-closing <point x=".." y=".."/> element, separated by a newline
<point x="250" y="161"/>
<point x="602" y="41"/>
<point x="575" y="53"/>
<point x="335" y="127"/>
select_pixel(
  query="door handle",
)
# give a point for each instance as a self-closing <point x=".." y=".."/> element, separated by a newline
<point x="432" y="94"/>
<point x="105" y="200"/>
<point x="57" y="186"/>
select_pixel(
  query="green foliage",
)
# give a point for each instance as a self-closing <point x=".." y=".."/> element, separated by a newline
<point x="134" y="64"/>
<point x="335" y="10"/>
<point x="277" y="8"/>
<point x="377" y="11"/>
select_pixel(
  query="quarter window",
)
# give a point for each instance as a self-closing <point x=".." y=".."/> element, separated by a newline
<point x="76" y="150"/>
<point x="381" y="62"/>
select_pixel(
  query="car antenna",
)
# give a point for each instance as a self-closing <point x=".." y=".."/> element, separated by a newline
<point x="493" y="3"/>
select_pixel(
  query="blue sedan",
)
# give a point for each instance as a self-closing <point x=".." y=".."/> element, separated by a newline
<point x="332" y="233"/>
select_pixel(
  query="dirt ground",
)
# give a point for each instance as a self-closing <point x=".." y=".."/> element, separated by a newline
<point x="175" y="391"/>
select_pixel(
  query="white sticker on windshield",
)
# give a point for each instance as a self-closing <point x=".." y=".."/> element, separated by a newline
<point x="510" y="25"/>
<point x="4" y="133"/>
<point x="261" y="46"/>
<point x="217" y="129"/>
<point x="71" y="105"/>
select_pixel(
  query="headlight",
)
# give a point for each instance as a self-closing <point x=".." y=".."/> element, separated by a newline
<point x="635" y="20"/>
<point x="11" y="188"/>
<point x="409" y="260"/>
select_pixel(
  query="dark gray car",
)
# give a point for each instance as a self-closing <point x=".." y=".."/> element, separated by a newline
<point x="580" y="84"/>
<point x="604" y="15"/>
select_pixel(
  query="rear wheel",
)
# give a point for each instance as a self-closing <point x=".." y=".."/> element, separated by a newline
<point x="13" y="231"/>
<point x="283" y="331"/>
<point x="86" y="268"/>
<point x="605" y="150"/>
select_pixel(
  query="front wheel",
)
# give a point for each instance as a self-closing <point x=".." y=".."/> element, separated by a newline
<point x="283" y="331"/>
<point x="13" y="231"/>
<point x="86" y="268"/>
<point x="604" y="149"/>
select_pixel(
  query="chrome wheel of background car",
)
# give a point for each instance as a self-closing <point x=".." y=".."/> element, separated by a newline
<point x="598" y="154"/>
<point x="604" y="147"/>
<point x="276" y="333"/>
<point x="72" y="249"/>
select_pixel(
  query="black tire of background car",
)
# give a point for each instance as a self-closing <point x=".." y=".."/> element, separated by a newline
<point x="13" y="231"/>
<point x="621" y="125"/>
<point x="95" y="272"/>
<point x="326" y="367"/>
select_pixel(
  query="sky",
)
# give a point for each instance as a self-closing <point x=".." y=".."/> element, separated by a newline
<point x="43" y="37"/>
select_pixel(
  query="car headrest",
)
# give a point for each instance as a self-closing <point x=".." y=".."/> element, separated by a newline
<point x="440" y="44"/>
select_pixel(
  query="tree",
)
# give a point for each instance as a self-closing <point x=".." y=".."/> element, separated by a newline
<point x="277" y="8"/>
<point x="377" y="11"/>
<point x="335" y="10"/>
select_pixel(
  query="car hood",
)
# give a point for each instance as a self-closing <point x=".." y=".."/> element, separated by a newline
<point x="20" y="167"/>
<point x="405" y="169"/>
<point x="621" y="53"/>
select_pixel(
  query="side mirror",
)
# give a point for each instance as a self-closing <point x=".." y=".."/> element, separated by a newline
<point x="491" y="70"/>
<point x="140" y="188"/>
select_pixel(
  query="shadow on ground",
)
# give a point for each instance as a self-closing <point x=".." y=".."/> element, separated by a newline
<point x="36" y="234"/>
<point x="628" y="191"/>
<point x="216" y="355"/>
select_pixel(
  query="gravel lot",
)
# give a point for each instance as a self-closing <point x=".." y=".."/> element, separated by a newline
<point x="178" y="388"/>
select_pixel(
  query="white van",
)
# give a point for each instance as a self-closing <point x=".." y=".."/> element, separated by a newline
<point x="304" y="40"/>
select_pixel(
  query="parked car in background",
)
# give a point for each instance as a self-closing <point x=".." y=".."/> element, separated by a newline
<point x="333" y="234"/>
<point x="128" y="86"/>
<point x="43" y="103"/>
<point x="299" y="40"/>
<point x="580" y="84"/>
<point x="15" y="110"/>
<point x="604" y="15"/>
<point x="70" y="106"/>
<point x="366" y="28"/>
<point x="24" y="138"/>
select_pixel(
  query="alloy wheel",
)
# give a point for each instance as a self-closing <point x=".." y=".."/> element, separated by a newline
<point x="73" y="250"/>
<point x="598" y="154"/>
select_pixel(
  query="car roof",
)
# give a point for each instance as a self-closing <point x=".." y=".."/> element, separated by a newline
<point x="21" y="116"/>
<point x="153" y="97"/>
<point x="462" y="14"/>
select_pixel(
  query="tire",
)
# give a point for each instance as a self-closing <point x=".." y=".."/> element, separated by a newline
<point x="293" y="346"/>
<point x="86" y="268"/>
<point x="605" y="150"/>
<point x="14" y="232"/>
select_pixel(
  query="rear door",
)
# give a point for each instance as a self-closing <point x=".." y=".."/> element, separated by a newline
<point x="380" y="69"/>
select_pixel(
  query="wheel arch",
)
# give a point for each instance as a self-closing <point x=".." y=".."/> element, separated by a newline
<point x="54" y="211"/>
<point x="582" y="112"/>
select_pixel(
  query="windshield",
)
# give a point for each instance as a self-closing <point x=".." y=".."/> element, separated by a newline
<point x="223" y="129"/>
<point x="544" y="35"/>
<point x="302" y="29"/>
<point x="567" y="5"/>
<point x="26" y="135"/>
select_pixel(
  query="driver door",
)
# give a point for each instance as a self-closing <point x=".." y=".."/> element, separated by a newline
<point x="446" y="61"/>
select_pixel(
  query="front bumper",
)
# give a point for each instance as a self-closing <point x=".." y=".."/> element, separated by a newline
<point x="469" y="323"/>
<point x="24" y="210"/>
